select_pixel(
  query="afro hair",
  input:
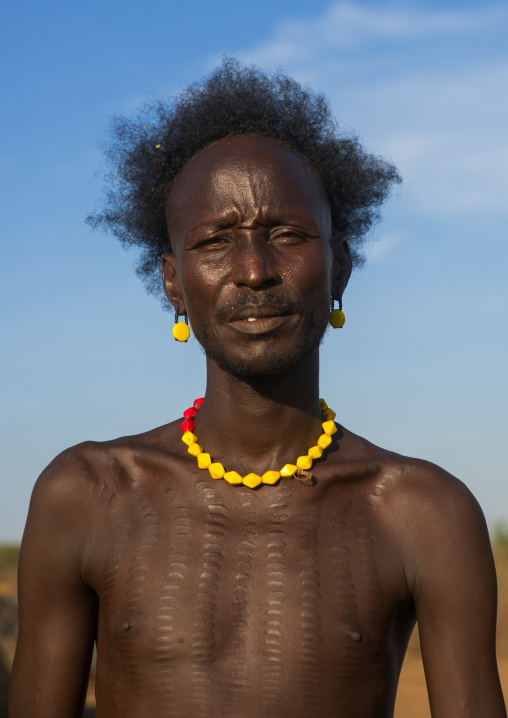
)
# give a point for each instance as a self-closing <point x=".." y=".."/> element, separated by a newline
<point x="146" y="154"/>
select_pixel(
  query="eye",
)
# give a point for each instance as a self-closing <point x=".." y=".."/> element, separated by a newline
<point x="287" y="236"/>
<point x="212" y="243"/>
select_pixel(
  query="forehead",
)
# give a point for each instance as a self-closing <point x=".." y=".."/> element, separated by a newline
<point x="246" y="175"/>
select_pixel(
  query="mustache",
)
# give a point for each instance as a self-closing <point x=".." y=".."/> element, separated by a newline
<point x="286" y="305"/>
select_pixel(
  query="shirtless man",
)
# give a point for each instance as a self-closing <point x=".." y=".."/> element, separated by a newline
<point x="296" y="598"/>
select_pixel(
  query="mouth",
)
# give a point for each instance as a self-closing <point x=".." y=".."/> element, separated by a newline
<point x="253" y="312"/>
<point x="260" y="319"/>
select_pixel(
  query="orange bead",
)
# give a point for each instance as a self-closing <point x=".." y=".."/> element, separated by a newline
<point x="315" y="452"/>
<point x="288" y="470"/>
<point x="324" y="441"/>
<point x="216" y="470"/>
<point x="252" y="480"/>
<point x="337" y="318"/>
<point x="204" y="460"/>
<point x="304" y="462"/>
<point x="233" y="477"/>
<point x="270" y="477"/>
<point x="329" y="427"/>
<point x="189" y="438"/>
<point x="181" y="332"/>
<point x="195" y="449"/>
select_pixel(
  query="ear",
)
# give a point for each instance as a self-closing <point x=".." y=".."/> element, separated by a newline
<point x="342" y="266"/>
<point x="171" y="283"/>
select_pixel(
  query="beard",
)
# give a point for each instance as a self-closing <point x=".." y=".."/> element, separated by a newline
<point x="263" y="355"/>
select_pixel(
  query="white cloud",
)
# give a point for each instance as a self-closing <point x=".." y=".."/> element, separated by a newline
<point x="447" y="133"/>
<point x="346" y="24"/>
<point x="436" y="105"/>
<point x="448" y="174"/>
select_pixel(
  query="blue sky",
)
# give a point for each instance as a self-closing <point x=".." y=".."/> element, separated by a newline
<point x="420" y="366"/>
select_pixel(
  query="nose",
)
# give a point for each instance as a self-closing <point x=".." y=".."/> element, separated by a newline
<point x="254" y="264"/>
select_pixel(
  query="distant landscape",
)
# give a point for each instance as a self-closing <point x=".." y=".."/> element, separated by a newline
<point x="412" y="697"/>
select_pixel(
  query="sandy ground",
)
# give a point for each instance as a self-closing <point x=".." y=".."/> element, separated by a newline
<point x="412" y="699"/>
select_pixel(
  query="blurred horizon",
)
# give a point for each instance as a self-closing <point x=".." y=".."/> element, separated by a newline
<point x="419" y="367"/>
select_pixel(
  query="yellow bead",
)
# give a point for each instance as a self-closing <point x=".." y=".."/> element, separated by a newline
<point x="216" y="470"/>
<point x="195" y="449"/>
<point x="204" y="460"/>
<point x="337" y="318"/>
<point x="288" y="470"/>
<point x="315" y="452"/>
<point x="323" y="404"/>
<point x="181" y="332"/>
<point x="252" y="480"/>
<point x="324" y="441"/>
<point x="329" y="414"/>
<point x="304" y="462"/>
<point x="233" y="477"/>
<point x="189" y="438"/>
<point x="329" y="427"/>
<point x="270" y="477"/>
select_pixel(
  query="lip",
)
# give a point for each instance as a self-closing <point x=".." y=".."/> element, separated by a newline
<point x="258" y="312"/>
<point x="261" y="324"/>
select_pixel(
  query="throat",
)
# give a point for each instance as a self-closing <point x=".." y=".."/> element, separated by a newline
<point x="280" y="443"/>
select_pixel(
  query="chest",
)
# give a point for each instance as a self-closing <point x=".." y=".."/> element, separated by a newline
<point x="211" y="578"/>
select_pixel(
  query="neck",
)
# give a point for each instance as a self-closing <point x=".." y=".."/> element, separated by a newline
<point x="260" y="422"/>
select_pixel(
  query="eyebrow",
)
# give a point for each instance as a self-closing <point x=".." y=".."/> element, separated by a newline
<point x="229" y="220"/>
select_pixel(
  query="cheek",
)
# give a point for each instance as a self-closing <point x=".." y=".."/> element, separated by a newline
<point x="200" y="285"/>
<point x="312" y="273"/>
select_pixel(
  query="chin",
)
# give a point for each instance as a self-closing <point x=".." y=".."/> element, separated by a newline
<point x="243" y="368"/>
<point x="264" y="360"/>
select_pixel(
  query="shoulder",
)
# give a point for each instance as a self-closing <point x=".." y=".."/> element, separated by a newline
<point x="423" y="485"/>
<point x="409" y="486"/>
<point x="425" y="495"/>
<point x="88" y="488"/>
<point x="436" y="522"/>
<point x="425" y="510"/>
<point x="65" y="493"/>
<point x="93" y="470"/>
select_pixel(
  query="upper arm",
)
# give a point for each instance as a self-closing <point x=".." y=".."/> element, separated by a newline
<point x="452" y="578"/>
<point x="57" y="610"/>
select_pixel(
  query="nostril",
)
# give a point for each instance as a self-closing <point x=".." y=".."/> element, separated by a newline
<point x="255" y="269"/>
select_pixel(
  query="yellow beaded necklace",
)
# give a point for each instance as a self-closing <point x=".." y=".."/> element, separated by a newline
<point x="217" y="471"/>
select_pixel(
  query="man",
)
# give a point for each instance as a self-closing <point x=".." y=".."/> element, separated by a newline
<point x="213" y="585"/>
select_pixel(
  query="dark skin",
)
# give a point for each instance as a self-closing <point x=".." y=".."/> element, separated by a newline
<point x="215" y="600"/>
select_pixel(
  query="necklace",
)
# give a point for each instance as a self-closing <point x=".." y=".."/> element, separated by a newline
<point x="217" y="470"/>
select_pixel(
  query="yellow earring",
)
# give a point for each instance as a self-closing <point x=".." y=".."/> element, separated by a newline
<point x="181" y="331"/>
<point x="337" y="317"/>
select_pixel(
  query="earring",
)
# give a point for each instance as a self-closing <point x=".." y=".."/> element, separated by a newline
<point x="337" y="316"/>
<point x="181" y="331"/>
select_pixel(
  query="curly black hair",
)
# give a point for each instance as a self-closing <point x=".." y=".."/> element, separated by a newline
<point x="146" y="154"/>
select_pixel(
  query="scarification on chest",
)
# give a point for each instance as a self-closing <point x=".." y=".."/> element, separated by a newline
<point x="276" y="603"/>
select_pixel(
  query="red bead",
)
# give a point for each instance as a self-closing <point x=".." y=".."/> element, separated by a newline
<point x="190" y="413"/>
<point x="198" y="403"/>
<point x="187" y="425"/>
